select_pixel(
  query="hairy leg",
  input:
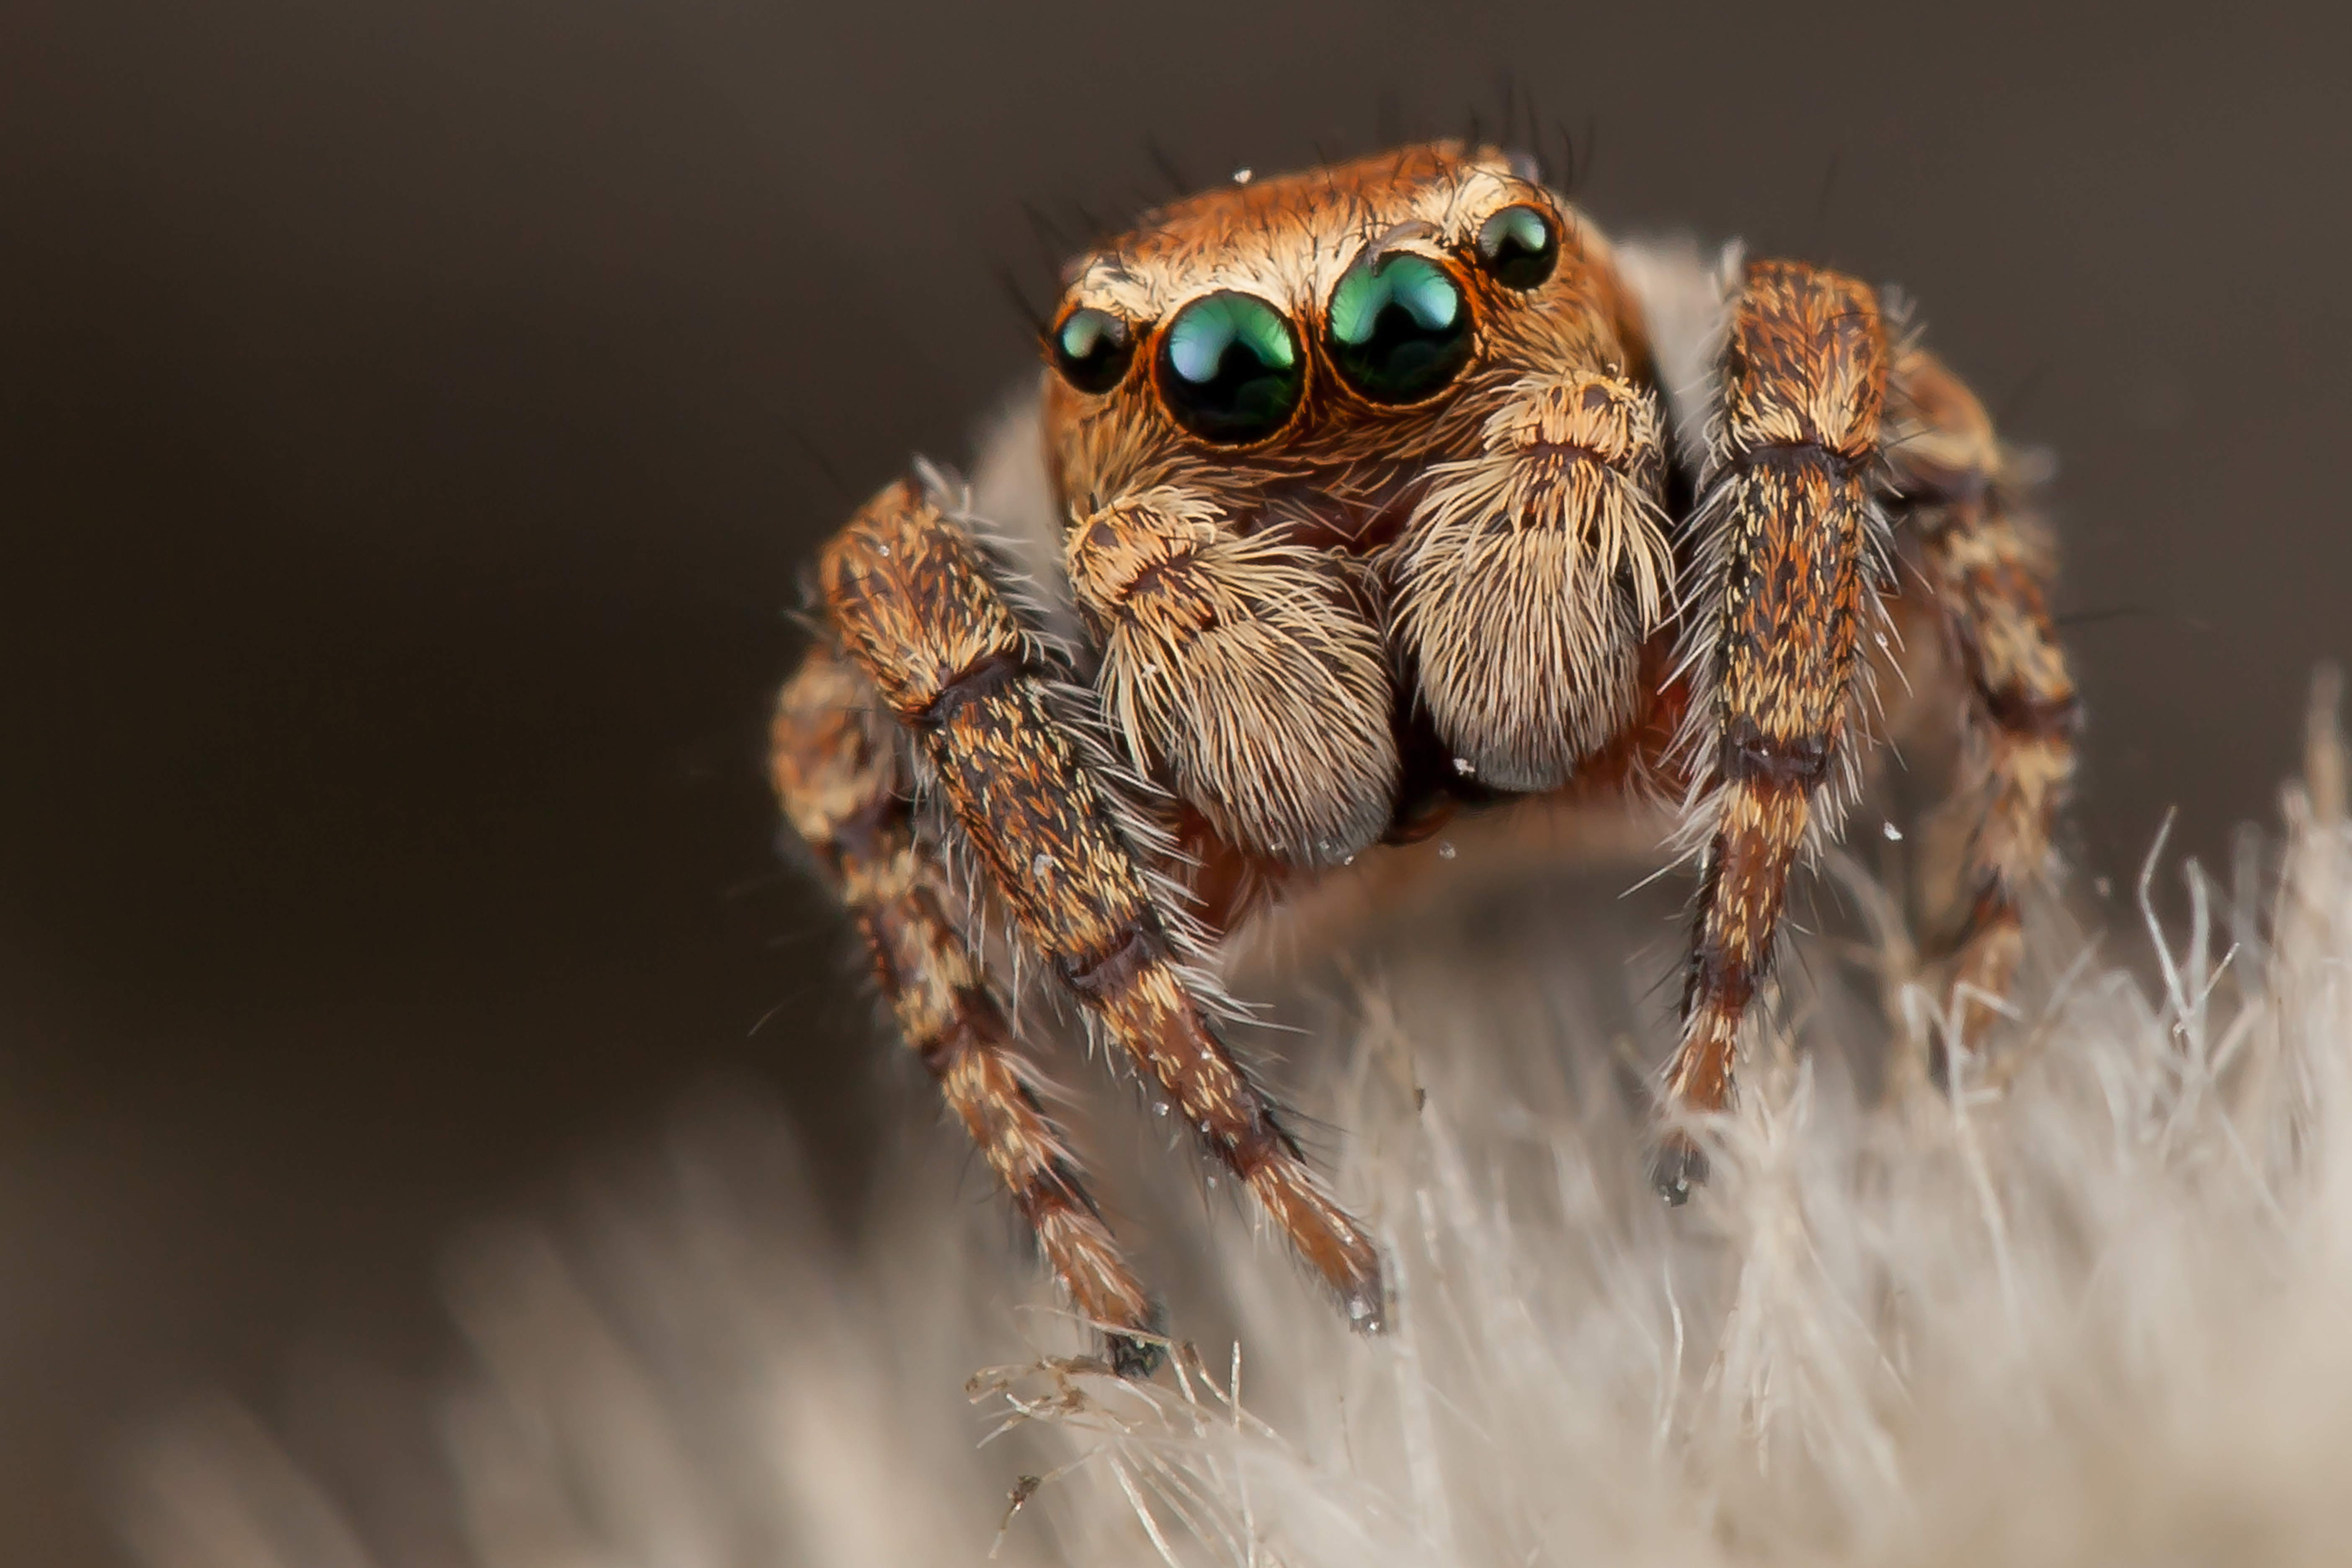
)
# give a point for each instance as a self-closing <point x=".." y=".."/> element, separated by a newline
<point x="1985" y="573"/>
<point x="914" y="605"/>
<point x="1784" y="528"/>
<point x="835" y="772"/>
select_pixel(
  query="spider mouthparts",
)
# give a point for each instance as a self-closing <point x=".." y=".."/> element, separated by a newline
<point x="1681" y="1165"/>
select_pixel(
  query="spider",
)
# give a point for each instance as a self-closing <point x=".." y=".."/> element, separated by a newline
<point x="1380" y="492"/>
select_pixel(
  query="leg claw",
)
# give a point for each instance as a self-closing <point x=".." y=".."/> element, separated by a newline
<point x="1680" y="1166"/>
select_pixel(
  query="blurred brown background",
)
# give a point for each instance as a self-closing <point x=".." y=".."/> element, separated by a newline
<point x="412" y="413"/>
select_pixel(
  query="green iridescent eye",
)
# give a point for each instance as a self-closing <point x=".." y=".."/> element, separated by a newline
<point x="1091" y="349"/>
<point x="1230" y="368"/>
<point x="1519" y="247"/>
<point x="1399" y="328"/>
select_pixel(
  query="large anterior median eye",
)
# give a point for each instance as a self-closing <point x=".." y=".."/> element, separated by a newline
<point x="1091" y="349"/>
<point x="1230" y="369"/>
<point x="1519" y="247"/>
<point x="1399" y="328"/>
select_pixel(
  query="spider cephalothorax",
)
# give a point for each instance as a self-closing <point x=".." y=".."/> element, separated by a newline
<point x="1267" y="388"/>
<point x="1380" y="492"/>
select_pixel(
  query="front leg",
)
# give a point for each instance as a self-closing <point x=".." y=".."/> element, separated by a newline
<point x="1788" y="533"/>
<point x="917" y="609"/>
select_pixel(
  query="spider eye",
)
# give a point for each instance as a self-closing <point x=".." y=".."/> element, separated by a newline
<point x="1230" y="369"/>
<point x="1519" y="247"/>
<point x="1091" y="349"/>
<point x="1398" y="328"/>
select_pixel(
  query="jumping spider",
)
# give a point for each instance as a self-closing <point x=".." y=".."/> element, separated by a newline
<point x="1380" y="492"/>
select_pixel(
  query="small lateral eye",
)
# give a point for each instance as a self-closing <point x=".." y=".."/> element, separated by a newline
<point x="1398" y="329"/>
<point x="1092" y="349"/>
<point x="1519" y="247"/>
<point x="1230" y="369"/>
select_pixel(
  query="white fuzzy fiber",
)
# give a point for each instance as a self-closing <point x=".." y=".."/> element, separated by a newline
<point x="2092" y="1309"/>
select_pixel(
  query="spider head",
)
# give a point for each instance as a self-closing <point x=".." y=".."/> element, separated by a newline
<point x="1301" y="348"/>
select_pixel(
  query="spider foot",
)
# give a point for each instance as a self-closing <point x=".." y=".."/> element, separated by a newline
<point x="1135" y="1359"/>
<point x="1680" y="1166"/>
<point x="1136" y="1356"/>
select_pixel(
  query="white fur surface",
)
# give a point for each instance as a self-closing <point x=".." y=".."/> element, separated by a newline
<point x="1684" y="291"/>
<point x="2090" y="1310"/>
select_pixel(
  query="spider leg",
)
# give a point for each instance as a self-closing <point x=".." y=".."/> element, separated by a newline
<point x="1987" y="570"/>
<point x="1786" y="534"/>
<point x="837" y="774"/>
<point x="913" y="603"/>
